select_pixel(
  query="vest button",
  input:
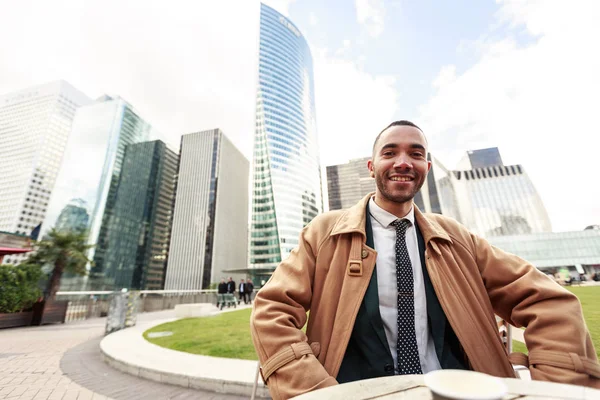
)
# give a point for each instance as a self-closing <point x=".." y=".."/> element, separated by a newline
<point x="364" y="253"/>
<point x="388" y="368"/>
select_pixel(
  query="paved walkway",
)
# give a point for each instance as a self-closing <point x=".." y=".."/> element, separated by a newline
<point x="64" y="362"/>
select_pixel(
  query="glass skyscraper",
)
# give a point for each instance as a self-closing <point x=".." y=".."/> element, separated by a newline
<point x="74" y="217"/>
<point x="34" y="129"/>
<point x="92" y="164"/>
<point x="136" y="248"/>
<point x="286" y="178"/>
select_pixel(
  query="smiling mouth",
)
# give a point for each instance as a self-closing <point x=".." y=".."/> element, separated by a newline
<point x="401" y="178"/>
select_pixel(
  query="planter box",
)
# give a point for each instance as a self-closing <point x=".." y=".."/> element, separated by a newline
<point x="13" y="320"/>
<point x="49" y="312"/>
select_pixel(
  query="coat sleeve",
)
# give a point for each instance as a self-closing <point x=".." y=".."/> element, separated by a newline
<point x="279" y="314"/>
<point x="558" y="341"/>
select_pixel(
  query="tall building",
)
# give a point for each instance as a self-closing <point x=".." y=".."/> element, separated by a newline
<point x="210" y="219"/>
<point x="286" y="178"/>
<point x="348" y="183"/>
<point x="91" y="168"/>
<point x="74" y="217"/>
<point x="481" y="158"/>
<point x="139" y="227"/>
<point x="34" y="128"/>
<point x="496" y="201"/>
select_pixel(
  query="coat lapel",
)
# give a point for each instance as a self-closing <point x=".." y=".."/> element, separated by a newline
<point x="435" y="315"/>
<point x="372" y="295"/>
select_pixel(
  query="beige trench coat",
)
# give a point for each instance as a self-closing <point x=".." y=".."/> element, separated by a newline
<point x="328" y="274"/>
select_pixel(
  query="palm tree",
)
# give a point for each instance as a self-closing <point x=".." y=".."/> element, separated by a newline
<point x="67" y="251"/>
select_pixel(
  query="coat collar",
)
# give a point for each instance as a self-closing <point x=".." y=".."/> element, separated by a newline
<point x="354" y="219"/>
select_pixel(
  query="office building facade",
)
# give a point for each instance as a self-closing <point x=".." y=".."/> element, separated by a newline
<point x="74" y="217"/>
<point x="91" y="168"/>
<point x="348" y="183"/>
<point x="34" y="127"/>
<point x="286" y="182"/>
<point x="139" y="227"/>
<point x="481" y="158"/>
<point x="210" y="218"/>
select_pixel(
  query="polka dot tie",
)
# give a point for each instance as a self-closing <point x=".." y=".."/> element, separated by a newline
<point x="406" y="346"/>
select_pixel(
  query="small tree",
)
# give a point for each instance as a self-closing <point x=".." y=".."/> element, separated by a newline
<point x="66" y="251"/>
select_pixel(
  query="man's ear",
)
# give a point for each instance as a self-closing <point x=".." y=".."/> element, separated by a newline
<point x="370" y="166"/>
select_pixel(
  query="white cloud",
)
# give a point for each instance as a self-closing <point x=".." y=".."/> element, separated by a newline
<point x="312" y="19"/>
<point x="371" y="14"/>
<point x="537" y="102"/>
<point x="183" y="69"/>
<point x="281" y="6"/>
<point x="351" y="105"/>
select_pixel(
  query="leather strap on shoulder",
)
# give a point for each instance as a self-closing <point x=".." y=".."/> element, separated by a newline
<point x="283" y="357"/>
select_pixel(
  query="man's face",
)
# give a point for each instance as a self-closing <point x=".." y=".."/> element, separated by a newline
<point x="399" y="164"/>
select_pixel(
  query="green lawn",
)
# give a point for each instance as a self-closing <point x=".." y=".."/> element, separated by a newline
<point x="590" y="301"/>
<point x="228" y="334"/>
<point x="224" y="335"/>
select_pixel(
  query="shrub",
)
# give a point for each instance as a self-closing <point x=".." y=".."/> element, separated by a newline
<point x="19" y="287"/>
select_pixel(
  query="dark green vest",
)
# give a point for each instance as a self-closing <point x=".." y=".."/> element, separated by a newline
<point x="368" y="354"/>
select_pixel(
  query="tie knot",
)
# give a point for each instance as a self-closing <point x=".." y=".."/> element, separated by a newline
<point x="401" y="226"/>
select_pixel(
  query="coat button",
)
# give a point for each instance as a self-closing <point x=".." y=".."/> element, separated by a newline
<point x="364" y="253"/>
<point x="388" y="368"/>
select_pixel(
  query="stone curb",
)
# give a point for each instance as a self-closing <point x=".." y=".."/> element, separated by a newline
<point x="123" y="350"/>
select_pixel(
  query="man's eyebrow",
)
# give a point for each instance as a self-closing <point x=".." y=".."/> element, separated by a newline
<point x="417" y="146"/>
<point x="394" y="145"/>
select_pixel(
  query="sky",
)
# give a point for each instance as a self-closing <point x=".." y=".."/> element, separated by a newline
<point x="520" y="75"/>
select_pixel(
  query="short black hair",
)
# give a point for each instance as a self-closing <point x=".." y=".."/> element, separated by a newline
<point x="401" y="122"/>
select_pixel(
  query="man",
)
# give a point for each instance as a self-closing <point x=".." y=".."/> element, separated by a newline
<point x="249" y="290"/>
<point x="231" y="286"/>
<point x="242" y="291"/>
<point x="394" y="291"/>
<point x="221" y="291"/>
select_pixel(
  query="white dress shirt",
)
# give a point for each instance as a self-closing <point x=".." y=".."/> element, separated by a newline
<point x="384" y="238"/>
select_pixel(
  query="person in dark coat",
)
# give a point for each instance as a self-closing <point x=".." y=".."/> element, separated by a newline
<point x="231" y="286"/>
<point x="249" y="288"/>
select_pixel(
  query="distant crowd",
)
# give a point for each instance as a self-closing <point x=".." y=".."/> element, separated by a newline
<point x="244" y="290"/>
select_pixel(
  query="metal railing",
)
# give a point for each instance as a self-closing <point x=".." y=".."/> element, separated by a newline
<point x="95" y="304"/>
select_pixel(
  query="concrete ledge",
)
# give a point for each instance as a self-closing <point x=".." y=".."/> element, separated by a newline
<point x="194" y="310"/>
<point x="128" y="351"/>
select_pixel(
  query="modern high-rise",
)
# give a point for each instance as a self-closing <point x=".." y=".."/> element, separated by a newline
<point x="481" y="158"/>
<point x="348" y="183"/>
<point x="210" y="218"/>
<point x="139" y="227"/>
<point x="74" y="217"/>
<point x="496" y="201"/>
<point x="286" y="182"/>
<point x="92" y="164"/>
<point x="34" y="128"/>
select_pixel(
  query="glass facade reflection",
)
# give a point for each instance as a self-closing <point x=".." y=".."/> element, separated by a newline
<point x="90" y="170"/>
<point x="74" y="217"/>
<point x="139" y="228"/>
<point x="498" y="201"/>
<point x="286" y="173"/>
<point x="578" y="251"/>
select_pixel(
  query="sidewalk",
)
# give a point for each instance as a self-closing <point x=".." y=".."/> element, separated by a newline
<point x="64" y="362"/>
<point x="129" y="352"/>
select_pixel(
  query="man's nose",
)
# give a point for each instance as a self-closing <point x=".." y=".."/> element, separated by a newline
<point x="402" y="162"/>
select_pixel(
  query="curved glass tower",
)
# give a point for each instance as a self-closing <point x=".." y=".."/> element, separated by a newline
<point x="286" y="173"/>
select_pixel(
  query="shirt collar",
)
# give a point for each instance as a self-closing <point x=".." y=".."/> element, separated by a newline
<point x="385" y="218"/>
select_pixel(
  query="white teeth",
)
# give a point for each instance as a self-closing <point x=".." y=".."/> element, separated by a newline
<point x="401" y="178"/>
